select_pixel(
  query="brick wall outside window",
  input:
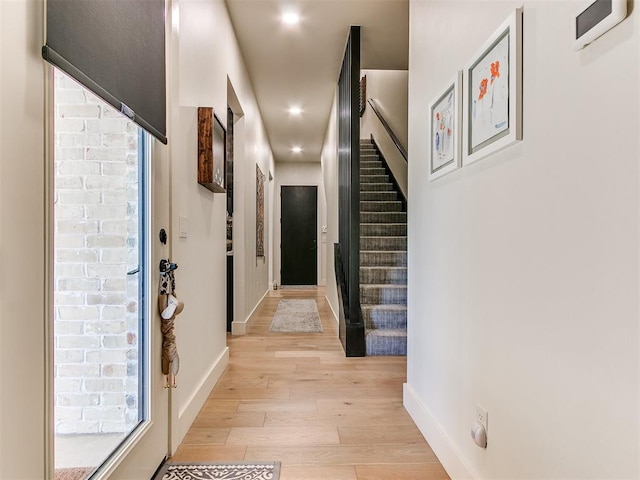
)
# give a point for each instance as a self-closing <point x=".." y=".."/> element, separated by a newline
<point x="96" y="243"/>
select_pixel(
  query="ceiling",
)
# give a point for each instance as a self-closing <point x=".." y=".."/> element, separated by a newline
<point x="298" y="65"/>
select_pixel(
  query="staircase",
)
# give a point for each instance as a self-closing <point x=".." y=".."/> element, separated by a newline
<point x="383" y="257"/>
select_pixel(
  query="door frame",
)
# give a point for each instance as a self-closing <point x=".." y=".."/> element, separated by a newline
<point x="277" y="243"/>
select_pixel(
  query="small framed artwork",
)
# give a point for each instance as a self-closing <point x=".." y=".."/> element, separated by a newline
<point x="211" y="150"/>
<point x="493" y="92"/>
<point x="445" y="116"/>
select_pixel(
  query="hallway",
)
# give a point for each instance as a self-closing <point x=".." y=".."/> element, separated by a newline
<point x="297" y="399"/>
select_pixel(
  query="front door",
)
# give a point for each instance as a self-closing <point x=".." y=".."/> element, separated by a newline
<point x="299" y="258"/>
<point x="110" y="406"/>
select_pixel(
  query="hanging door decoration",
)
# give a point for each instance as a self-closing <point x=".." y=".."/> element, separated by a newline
<point x="259" y="212"/>
<point x="169" y="307"/>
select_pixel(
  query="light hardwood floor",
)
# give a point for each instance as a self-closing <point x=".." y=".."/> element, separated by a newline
<point x="295" y="398"/>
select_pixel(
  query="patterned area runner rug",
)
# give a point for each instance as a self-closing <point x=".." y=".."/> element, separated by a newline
<point x="220" y="471"/>
<point x="296" y="316"/>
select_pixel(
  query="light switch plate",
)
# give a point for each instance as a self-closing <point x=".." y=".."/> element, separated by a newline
<point x="184" y="227"/>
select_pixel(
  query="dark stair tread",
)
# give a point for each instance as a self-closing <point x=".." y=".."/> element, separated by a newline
<point x="384" y="251"/>
<point x="382" y="237"/>
<point x="389" y="307"/>
<point x="387" y="332"/>
<point x="384" y="285"/>
<point x="382" y="267"/>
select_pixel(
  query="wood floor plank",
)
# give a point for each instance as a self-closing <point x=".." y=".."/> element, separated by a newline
<point x="301" y="392"/>
<point x="383" y="417"/>
<point x="307" y="353"/>
<point x="220" y="406"/>
<point x="250" y="392"/>
<point x="295" y="398"/>
<point x="277" y="406"/>
<point x="210" y="453"/>
<point x="279" y="436"/>
<point x="379" y="435"/>
<point x="318" y="472"/>
<point x="223" y="420"/>
<point x="343" y="454"/>
<point x="429" y="471"/>
<point x="327" y="405"/>
<point x="206" y="436"/>
<point x="308" y="379"/>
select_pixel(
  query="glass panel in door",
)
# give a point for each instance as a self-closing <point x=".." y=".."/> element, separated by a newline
<point x="99" y="240"/>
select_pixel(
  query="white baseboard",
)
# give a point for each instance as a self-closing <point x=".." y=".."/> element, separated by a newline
<point x="449" y="456"/>
<point x="188" y="413"/>
<point x="335" y="315"/>
<point x="241" y="328"/>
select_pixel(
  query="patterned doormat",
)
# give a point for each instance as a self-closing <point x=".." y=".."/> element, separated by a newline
<point x="296" y="316"/>
<point x="76" y="473"/>
<point x="220" y="471"/>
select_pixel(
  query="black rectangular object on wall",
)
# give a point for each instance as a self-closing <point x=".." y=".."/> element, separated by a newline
<point x="116" y="49"/>
<point x="298" y="234"/>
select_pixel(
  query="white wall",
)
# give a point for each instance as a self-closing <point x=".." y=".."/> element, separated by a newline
<point x="523" y="268"/>
<point x="329" y="162"/>
<point x="209" y="57"/>
<point x="304" y="174"/>
<point x="389" y="88"/>
<point x="22" y="241"/>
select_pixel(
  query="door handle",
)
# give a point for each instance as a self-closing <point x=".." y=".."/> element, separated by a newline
<point x="134" y="271"/>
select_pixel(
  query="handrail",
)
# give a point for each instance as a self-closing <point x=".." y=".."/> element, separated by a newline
<point x="387" y="127"/>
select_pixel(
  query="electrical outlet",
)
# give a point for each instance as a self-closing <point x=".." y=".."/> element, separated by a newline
<point x="482" y="416"/>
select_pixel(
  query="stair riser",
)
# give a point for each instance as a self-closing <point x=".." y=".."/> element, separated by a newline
<point x="396" y="295"/>
<point x="374" y="179"/>
<point x="376" y="187"/>
<point x="383" y="229"/>
<point x="372" y="171"/>
<point x="383" y="243"/>
<point x="367" y="206"/>
<point x="368" y="164"/>
<point x="378" y="196"/>
<point x="393" y="276"/>
<point x="386" y="345"/>
<point x="383" y="259"/>
<point x="382" y="320"/>
<point x="383" y="217"/>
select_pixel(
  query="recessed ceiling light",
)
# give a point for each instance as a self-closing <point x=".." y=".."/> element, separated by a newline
<point x="290" y="18"/>
<point x="296" y="149"/>
<point x="295" y="110"/>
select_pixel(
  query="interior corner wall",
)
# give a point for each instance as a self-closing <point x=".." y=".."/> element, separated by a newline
<point x="209" y="57"/>
<point x="390" y="89"/>
<point x="22" y="240"/>
<point x="523" y="267"/>
<point x="301" y="174"/>
<point x="329" y="162"/>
